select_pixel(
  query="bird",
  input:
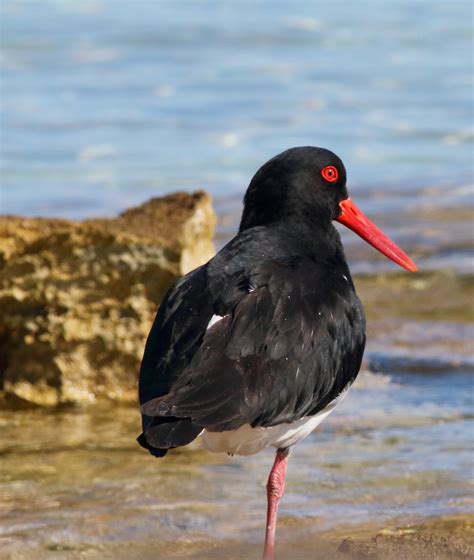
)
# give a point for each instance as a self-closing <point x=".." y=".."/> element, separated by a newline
<point x="255" y="348"/>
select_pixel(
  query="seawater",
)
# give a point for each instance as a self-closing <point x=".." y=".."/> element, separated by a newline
<point x="107" y="103"/>
<point x="396" y="451"/>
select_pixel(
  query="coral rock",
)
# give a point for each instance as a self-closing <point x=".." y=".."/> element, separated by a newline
<point x="77" y="299"/>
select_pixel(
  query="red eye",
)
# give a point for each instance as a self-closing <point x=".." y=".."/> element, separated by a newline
<point x="330" y="173"/>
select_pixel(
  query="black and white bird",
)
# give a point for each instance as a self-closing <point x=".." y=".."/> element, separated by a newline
<point x="256" y="347"/>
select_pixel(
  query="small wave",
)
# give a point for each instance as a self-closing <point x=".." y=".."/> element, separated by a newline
<point x="309" y="24"/>
<point x="99" y="151"/>
<point x="370" y="380"/>
<point x="406" y="364"/>
<point x="459" y="137"/>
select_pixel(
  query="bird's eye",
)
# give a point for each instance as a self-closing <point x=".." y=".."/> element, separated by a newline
<point x="330" y="173"/>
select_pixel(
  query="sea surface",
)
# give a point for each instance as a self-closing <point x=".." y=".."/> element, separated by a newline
<point x="105" y="104"/>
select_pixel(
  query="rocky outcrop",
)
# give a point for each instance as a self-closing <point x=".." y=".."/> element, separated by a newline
<point x="77" y="299"/>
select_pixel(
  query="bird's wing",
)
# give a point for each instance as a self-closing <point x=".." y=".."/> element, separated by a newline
<point x="176" y="334"/>
<point x="284" y="351"/>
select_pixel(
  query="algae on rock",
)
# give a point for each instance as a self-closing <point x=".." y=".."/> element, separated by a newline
<point x="77" y="299"/>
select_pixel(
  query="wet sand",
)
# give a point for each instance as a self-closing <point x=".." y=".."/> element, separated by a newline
<point x="443" y="538"/>
<point x="435" y="539"/>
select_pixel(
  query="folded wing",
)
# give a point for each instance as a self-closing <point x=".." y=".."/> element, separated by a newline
<point x="283" y="350"/>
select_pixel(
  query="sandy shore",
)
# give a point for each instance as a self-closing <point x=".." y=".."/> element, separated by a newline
<point x="441" y="538"/>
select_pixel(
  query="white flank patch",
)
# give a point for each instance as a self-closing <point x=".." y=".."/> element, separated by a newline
<point x="214" y="319"/>
<point x="247" y="440"/>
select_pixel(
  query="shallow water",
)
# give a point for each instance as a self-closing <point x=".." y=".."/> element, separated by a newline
<point x="398" y="448"/>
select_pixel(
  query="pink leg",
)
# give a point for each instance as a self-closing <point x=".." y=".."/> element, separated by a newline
<point x="275" y="490"/>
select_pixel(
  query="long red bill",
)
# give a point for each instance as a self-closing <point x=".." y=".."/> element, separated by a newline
<point x="355" y="220"/>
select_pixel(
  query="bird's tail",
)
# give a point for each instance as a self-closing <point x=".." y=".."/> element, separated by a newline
<point x="169" y="433"/>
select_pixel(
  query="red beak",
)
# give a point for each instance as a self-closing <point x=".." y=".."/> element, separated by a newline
<point x="355" y="220"/>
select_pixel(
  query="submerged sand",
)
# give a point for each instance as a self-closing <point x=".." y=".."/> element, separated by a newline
<point x="441" y="538"/>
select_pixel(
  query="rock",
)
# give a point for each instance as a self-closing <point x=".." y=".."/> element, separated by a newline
<point x="77" y="299"/>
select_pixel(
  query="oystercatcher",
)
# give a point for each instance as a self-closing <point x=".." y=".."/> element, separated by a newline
<point x="256" y="347"/>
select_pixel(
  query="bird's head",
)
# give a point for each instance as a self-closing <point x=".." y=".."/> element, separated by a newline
<point x="308" y="185"/>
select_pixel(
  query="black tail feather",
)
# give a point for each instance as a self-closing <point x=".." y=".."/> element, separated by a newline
<point x="141" y="439"/>
<point x="167" y="435"/>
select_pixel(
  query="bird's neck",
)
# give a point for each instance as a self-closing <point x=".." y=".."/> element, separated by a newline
<point x="319" y="242"/>
<point x="322" y="242"/>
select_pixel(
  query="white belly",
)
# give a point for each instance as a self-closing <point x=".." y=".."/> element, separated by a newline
<point x="247" y="440"/>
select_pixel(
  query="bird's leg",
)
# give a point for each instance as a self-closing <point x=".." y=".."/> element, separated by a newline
<point x="275" y="490"/>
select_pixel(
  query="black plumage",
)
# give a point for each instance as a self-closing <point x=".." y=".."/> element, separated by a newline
<point x="292" y="332"/>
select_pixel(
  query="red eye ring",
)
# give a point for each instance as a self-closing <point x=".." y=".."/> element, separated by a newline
<point x="330" y="174"/>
